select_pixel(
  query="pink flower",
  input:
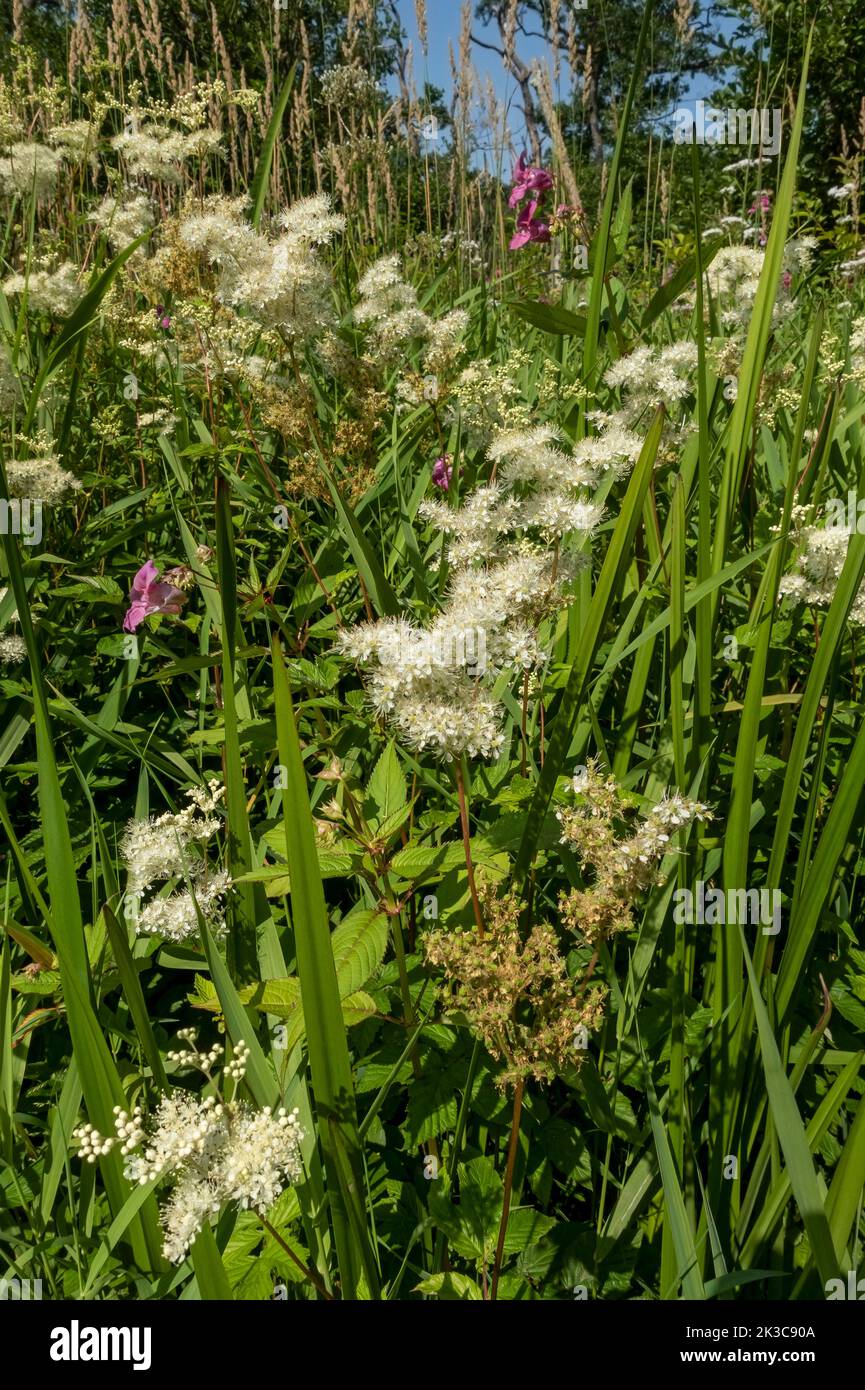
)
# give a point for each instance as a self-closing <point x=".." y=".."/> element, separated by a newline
<point x="528" y="178"/>
<point x="528" y="229"/>
<point x="148" y="595"/>
<point x="442" y="472"/>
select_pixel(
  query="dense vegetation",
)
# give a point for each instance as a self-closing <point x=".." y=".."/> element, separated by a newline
<point x="432" y="726"/>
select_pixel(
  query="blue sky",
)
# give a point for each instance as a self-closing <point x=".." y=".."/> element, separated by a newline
<point x="443" y="19"/>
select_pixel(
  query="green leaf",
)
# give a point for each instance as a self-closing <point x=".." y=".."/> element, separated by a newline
<point x="359" y="945"/>
<point x="258" y="187"/>
<point x="682" y="276"/>
<point x="450" y="1287"/>
<point x="326" y="1039"/>
<point x="552" y="318"/>
<point x="386" y="790"/>
<point x="791" y="1134"/>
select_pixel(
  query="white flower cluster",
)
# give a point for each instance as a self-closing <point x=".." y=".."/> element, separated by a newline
<point x="548" y="501"/>
<point x="482" y="400"/>
<point x="822" y="551"/>
<point x="432" y="683"/>
<point x="651" y="841"/>
<point x="623" y="864"/>
<point x="30" y="168"/>
<point x="41" y="478"/>
<point x="53" y="292"/>
<point x="13" y="649"/>
<point x="649" y="377"/>
<point x="211" y="1151"/>
<point x="734" y="278"/>
<point x="169" y="848"/>
<point x="123" y="219"/>
<point x="10" y="385"/>
<point x="283" y="283"/>
<point x="388" y="305"/>
<point x="349" y="85"/>
<point x="158" y="152"/>
<point x="76" y="141"/>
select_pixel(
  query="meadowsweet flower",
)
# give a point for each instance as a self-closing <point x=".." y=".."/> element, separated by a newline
<point x="283" y="283"/>
<point x="349" y="85"/>
<point x="10" y="386"/>
<point x="30" y="167"/>
<point x="388" y="305"/>
<point x="13" y="649"/>
<point x="54" y="292"/>
<point x="76" y="141"/>
<point x="623" y="862"/>
<point x="735" y="273"/>
<point x="820" y="558"/>
<point x="532" y="456"/>
<point x="516" y="993"/>
<point x="176" y="916"/>
<point x="148" y="595"/>
<point x="432" y="684"/>
<point x="170" y="849"/>
<point x="481" y="399"/>
<point x="158" y="849"/>
<point x="477" y="526"/>
<point x="40" y="478"/>
<point x="157" y="152"/>
<point x="615" y="449"/>
<point x="652" y="376"/>
<point x="556" y="513"/>
<point x="123" y="220"/>
<point x="211" y="1153"/>
<point x="445" y="345"/>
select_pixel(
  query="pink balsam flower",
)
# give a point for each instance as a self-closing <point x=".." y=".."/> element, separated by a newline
<point x="148" y="594"/>
<point x="529" y="228"/>
<point x="528" y="178"/>
<point x="442" y="472"/>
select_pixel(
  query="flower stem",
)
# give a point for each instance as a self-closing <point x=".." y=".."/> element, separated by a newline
<point x="308" y="1273"/>
<point x="464" y="822"/>
<point x="509" y="1182"/>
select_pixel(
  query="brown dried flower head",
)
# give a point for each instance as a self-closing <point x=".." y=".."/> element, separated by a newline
<point x="516" y="993"/>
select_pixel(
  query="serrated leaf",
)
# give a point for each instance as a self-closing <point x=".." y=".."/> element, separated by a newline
<point x="386" y="790"/>
<point x="359" y="944"/>
<point x="450" y="1287"/>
